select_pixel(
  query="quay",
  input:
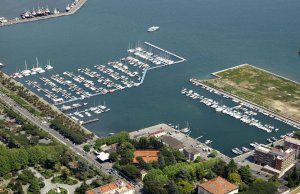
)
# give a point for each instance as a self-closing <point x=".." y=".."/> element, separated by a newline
<point x="251" y="104"/>
<point x="72" y="11"/>
<point x="176" y="139"/>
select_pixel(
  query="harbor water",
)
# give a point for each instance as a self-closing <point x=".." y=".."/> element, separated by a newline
<point x="211" y="35"/>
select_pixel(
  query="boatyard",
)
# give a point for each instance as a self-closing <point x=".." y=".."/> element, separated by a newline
<point x="42" y="14"/>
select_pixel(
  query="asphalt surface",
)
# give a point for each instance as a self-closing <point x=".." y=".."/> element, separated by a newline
<point x="91" y="158"/>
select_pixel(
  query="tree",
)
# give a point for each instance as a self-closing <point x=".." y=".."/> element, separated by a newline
<point x="172" y="188"/>
<point x="220" y="168"/>
<point x="184" y="187"/>
<point x="143" y="143"/>
<point x="64" y="175"/>
<point x="213" y="154"/>
<point x="131" y="171"/>
<point x="231" y="167"/>
<point x="113" y="157"/>
<point x="143" y="164"/>
<point x="4" y="166"/>
<point x="246" y="175"/>
<point x="34" y="186"/>
<point x="261" y="187"/>
<point x="234" y="178"/>
<point x="183" y="175"/>
<point x="155" y="181"/>
<point x="126" y="151"/>
<point x="161" y="161"/>
<point x="86" y="148"/>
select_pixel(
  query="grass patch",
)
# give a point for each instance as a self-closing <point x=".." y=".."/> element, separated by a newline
<point x="272" y="92"/>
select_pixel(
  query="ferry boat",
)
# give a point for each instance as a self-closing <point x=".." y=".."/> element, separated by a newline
<point x="153" y="28"/>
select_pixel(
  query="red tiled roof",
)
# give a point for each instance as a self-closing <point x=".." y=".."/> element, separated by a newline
<point x="218" y="185"/>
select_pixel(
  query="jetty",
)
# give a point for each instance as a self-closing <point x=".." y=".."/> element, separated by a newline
<point x="90" y="121"/>
<point x="72" y="11"/>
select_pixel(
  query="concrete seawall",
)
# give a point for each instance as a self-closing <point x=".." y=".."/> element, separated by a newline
<point x="21" y="21"/>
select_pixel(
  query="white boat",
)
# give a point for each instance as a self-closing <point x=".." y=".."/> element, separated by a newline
<point x="153" y="28"/>
<point x="3" y="20"/>
<point x="253" y="145"/>
<point x="68" y="8"/>
<point x="244" y="149"/>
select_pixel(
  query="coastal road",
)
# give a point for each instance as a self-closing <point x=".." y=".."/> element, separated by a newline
<point x="92" y="159"/>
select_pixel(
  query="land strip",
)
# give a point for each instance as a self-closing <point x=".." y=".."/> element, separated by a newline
<point x="259" y="87"/>
<point x="72" y="11"/>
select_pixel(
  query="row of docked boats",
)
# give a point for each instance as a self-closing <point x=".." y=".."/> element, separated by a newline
<point x="240" y="151"/>
<point x="79" y="115"/>
<point x="140" y="52"/>
<point x="38" y="13"/>
<point x="238" y="112"/>
<point x="36" y="69"/>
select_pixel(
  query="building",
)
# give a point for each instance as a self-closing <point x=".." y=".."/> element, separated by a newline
<point x="290" y="142"/>
<point x="117" y="187"/>
<point x="172" y="142"/>
<point x="274" y="158"/>
<point x="147" y="155"/>
<point x="191" y="153"/>
<point x="217" y="185"/>
<point x="103" y="156"/>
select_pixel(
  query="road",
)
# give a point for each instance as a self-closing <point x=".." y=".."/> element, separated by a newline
<point x="91" y="158"/>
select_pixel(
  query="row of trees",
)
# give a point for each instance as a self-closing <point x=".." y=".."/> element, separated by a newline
<point x="71" y="129"/>
<point x="77" y="136"/>
<point x="12" y="160"/>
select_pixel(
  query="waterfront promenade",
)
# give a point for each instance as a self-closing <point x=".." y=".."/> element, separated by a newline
<point x="72" y="11"/>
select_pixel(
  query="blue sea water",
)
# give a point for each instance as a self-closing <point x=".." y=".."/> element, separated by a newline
<point x="211" y="35"/>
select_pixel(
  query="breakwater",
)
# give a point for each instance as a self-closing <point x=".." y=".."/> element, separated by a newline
<point x="72" y="11"/>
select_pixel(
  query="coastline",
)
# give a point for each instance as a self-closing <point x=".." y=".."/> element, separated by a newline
<point x="72" y="11"/>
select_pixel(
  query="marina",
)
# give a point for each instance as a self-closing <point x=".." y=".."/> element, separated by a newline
<point x="100" y="35"/>
<point x="243" y="111"/>
<point x="116" y="75"/>
<point x="69" y="87"/>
